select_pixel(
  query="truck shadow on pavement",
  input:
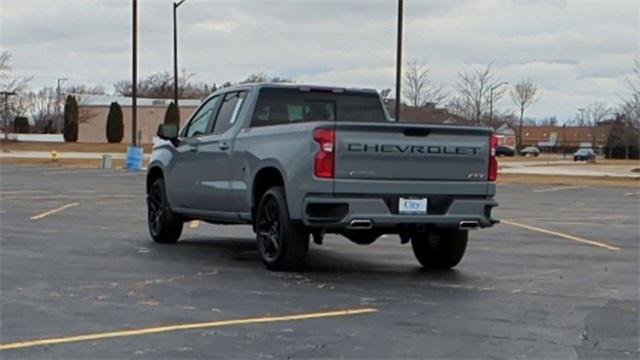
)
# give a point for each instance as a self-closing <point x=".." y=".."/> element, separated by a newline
<point x="242" y="252"/>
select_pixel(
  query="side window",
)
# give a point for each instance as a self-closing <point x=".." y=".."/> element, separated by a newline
<point x="199" y="124"/>
<point x="229" y="111"/>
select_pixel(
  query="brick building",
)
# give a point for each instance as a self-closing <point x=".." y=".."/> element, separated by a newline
<point x="571" y="137"/>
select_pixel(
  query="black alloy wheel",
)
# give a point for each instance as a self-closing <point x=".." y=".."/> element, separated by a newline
<point x="165" y="227"/>
<point x="269" y="231"/>
<point x="283" y="244"/>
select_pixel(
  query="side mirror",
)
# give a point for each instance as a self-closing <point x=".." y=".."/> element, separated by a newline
<point x="168" y="131"/>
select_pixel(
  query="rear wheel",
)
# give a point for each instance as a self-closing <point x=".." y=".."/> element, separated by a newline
<point x="165" y="226"/>
<point x="282" y="244"/>
<point x="440" y="249"/>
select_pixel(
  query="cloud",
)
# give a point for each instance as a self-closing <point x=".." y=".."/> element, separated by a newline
<point x="576" y="51"/>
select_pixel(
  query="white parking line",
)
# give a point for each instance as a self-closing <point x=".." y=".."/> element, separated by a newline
<point x="562" y="235"/>
<point x="124" y="173"/>
<point x="179" y="327"/>
<point x="632" y="193"/>
<point x="51" y="212"/>
<point x="22" y="192"/>
<point x="84" y="171"/>
<point x="560" y="188"/>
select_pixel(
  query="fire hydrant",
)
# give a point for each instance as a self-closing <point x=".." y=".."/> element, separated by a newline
<point x="54" y="155"/>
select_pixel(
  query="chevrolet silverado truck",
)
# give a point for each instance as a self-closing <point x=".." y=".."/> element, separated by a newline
<point x="297" y="162"/>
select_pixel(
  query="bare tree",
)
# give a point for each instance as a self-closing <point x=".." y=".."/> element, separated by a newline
<point x="85" y="90"/>
<point x="18" y="84"/>
<point x="418" y="87"/>
<point x="631" y="104"/>
<point x="5" y="58"/>
<point x="262" y="77"/>
<point x="41" y="106"/>
<point x="595" y="113"/>
<point x="160" y="85"/>
<point x="474" y="92"/>
<point x="549" y="121"/>
<point x="523" y="95"/>
<point x="11" y="83"/>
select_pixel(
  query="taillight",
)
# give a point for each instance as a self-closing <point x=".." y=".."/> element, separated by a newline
<point x="493" y="162"/>
<point x="325" y="157"/>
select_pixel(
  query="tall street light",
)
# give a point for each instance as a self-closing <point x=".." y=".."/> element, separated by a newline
<point x="493" y="88"/>
<point x="134" y="77"/>
<point x="581" y="115"/>
<point x="175" y="52"/>
<point x="6" y="95"/>
<point x="399" y="59"/>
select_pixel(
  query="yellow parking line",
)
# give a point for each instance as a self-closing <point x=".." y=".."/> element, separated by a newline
<point x="562" y="235"/>
<point x="200" y="325"/>
<point x="53" y="211"/>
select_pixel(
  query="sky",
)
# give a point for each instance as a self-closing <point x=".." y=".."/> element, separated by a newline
<point x="577" y="52"/>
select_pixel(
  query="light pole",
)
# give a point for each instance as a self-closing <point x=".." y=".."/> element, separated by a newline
<point x="6" y="112"/>
<point x="491" y="99"/>
<point x="581" y="110"/>
<point x="175" y="52"/>
<point x="134" y="76"/>
<point x="399" y="59"/>
<point x="58" y="102"/>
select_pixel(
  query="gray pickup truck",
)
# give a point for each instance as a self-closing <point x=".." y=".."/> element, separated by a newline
<point x="297" y="162"/>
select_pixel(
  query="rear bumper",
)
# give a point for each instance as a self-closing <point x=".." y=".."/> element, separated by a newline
<point x="338" y="213"/>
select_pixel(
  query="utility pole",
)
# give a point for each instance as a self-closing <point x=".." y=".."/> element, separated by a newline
<point x="399" y="59"/>
<point x="175" y="52"/>
<point x="58" y="102"/>
<point x="134" y="78"/>
<point x="6" y="112"/>
<point x="581" y="116"/>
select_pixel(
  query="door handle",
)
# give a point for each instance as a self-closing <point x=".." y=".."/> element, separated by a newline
<point x="224" y="146"/>
<point x="193" y="148"/>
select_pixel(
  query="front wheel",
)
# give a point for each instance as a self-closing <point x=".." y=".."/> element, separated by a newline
<point x="282" y="244"/>
<point x="165" y="226"/>
<point x="440" y="249"/>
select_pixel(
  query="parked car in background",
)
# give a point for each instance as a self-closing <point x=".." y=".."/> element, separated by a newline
<point x="502" y="150"/>
<point x="530" y="151"/>
<point x="584" y="155"/>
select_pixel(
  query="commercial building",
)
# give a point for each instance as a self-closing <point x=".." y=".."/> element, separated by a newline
<point x="94" y="109"/>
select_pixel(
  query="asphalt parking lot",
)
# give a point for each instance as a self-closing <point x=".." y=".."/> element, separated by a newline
<point x="559" y="280"/>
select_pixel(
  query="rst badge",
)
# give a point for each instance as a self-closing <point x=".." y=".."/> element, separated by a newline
<point x="475" y="176"/>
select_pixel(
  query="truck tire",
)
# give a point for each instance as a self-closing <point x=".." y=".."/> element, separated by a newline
<point x="282" y="244"/>
<point x="440" y="249"/>
<point x="165" y="226"/>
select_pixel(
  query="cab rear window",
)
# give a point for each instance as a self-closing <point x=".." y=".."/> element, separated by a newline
<point x="290" y="105"/>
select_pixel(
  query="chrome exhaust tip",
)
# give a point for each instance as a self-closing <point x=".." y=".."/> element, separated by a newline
<point x="361" y="224"/>
<point x="468" y="225"/>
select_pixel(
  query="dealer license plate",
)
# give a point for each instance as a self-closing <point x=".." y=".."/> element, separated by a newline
<point x="412" y="206"/>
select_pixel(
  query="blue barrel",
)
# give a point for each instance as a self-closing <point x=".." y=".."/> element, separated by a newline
<point x="134" y="158"/>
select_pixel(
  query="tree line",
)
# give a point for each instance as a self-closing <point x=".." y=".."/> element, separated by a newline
<point x="478" y="90"/>
<point x="45" y="105"/>
<point x="474" y="96"/>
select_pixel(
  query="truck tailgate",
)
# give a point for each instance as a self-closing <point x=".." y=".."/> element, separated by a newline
<point x="411" y="152"/>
